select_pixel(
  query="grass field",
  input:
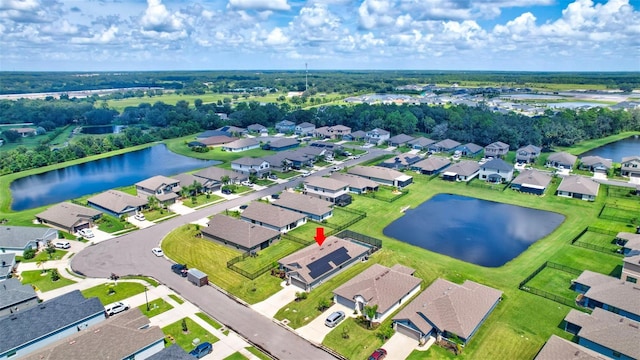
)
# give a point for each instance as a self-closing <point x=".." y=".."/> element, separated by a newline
<point x="42" y="281"/>
<point x="216" y="325"/>
<point x="122" y="290"/>
<point x="185" y="340"/>
<point x="176" y="299"/>
<point x="156" y="307"/>
<point x="269" y="256"/>
<point x="179" y="146"/>
<point x="554" y="281"/>
<point x="43" y="256"/>
<point x="258" y="353"/>
<point x="110" y="224"/>
<point x="598" y="239"/>
<point x="201" y="200"/>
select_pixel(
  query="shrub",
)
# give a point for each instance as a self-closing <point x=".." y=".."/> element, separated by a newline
<point x="324" y="304"/>
<point x="29" y="254"/>
<point x="55" y="276"/>
<point x="184" y="326"/>
<point x="301" y="295"/>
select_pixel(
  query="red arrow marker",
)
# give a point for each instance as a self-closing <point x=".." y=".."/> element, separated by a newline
<point x="320" y="236"/>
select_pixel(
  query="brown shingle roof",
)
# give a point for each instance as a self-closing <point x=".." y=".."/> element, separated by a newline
<point x="579" y="185"/>
<point x="558" y="348"/>
<point x="354" y="181"/>
<point x="67" y="214"/>
<point x="377" y="172"/>
<point x="217" y="140"/>
<point x="458" y="309"/>
<point x="156" y="182"/>
<point x="303" y="203"/>
<point x="271" y="215"/>
<point x="464" y="168"/>
<point x="612" y="291"/>
<point x="379" y="285"/>
<point x="238" y="232"/>
<point x="116" y="201"/>
<point x="532" y="177"/>
<point x="240" y="143"/>
<point x="216" y="174"/>
<point x="432" y="163"/>
<point x="325" y="183"/>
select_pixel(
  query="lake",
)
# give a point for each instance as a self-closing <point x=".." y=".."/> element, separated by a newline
<point x="617" y="150"/>
<point x="99" y="175"/>
<point x="481" y="232"/>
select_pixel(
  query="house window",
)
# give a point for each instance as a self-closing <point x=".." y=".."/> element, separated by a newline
<point x="632" y="279"/>
<point x="12" y="353"/>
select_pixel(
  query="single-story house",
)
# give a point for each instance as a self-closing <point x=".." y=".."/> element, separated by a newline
<point x="464" y="170"/>
<point x="29" y="330"/>
<point x="401" y="161"/>
<point x="630" y="166"/>
<point x="211" y="177"/>
<point x="527" y="154"/>
<point x="496" y="149"/>
<point x="595" y="164"/>
<point x="469" y="149"/>
<point x="239" y="234"/>
<point x="163" y="188"/>
<point x="357" y="184"/>
<point x="330" y="148"/>
<point x="389" y="288"/>
<point x="312" y="265"/>
<point x="69" y="217"/>
<point x="631" y="267"/>
<point x="126" y="336"/>
<point x="285" y="126"/>
<point x="297" y="158"/>
<point x="304" y="129"/>
<point x="420" y="143"/>
<point x="377" y="136"/>
<point x="561" y="160"/>
<point x="281" y="144"/>
<point x="257" y="128"/>
<point x="358" y="135"/>
<point x="17" y="239"/>
<point x="233" y="130"/>
<point x="578" y="187"/>
<point x="272" y="217"/>
<point x="446" y="309"/>
<point x="173" y="352"/>
<point x="217" y="140"/>
<point x="332" y="190"/>
<point x="243" y="144"/>
<point x="531" y="181"/>
<point x="558" y="348"/>
<point x="609" y="334"/>
<point x="431" y="165"/>
<point x="117" y="203"/>
<point x="399" y="140"/>
<point x="310" y="206"/>
<point x="7" y="267"/>
<point x="249" y="165"/>
<point x="496" y="171"/>
<point x="382" y="175"/>
<point x="446" y="145"/>
<point x="628" y="241"/>
<point x="210" y="133"/>
<point x="609" y="293"/>
<point x="14" y="296"/>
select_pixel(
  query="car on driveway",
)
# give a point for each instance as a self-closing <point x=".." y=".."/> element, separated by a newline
<point x="379" y="354"/>
<point x="86" y="233"/>
<point x="246" y="183"/>
<point x="201" y="350"/>
<point x="226" y="191"/>
<point x="273" y="177"/>
<point x="157" y="251"/>
<point x="115" y="308"/>
<point x="61" y="244"/>
<point x="243" y="206"/>
<point x="140" y="217"/>
<point x="334" y="319"/>
<point x="180" y="269"/>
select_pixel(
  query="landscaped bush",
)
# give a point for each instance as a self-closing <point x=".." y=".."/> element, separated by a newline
<point x="29" y="254"/>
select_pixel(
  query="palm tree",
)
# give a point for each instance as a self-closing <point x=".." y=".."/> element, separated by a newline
<point x="225" y="179"/>
<point x="40" y="264"/>
<point x="196" y="187"/>
<point x="370" y="313"/>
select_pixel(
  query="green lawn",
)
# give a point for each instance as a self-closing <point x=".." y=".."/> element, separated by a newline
<point x="149" y="280"/>
<point x="360" y="342"/>
<point x="258" y="353"/>
<point x="602" y="240"/>
<point x="179" y="146"/>
<point x="43" y="256"/>
<point x="236" y="356"/>
<point x="554" y="281"/>
<point x="110" y="224"/>
<point x="176" y="298"/>
<point x="269" y="256"/>
<point x="43" y="282"/>
<point x="201" y="199"/>
<point x="156" y="307"/>
<point x="384" y="193"/>
<point x="152" y="215"/>
<point x="185" y="340"/>
<point x="216" y="325"/>
<point x="122" y="290"/>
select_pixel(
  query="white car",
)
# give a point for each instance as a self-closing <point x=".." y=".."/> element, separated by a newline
<point x="246" y="183"/>
<point x="115" y="308"/>
<point x="157" y="251"/>
<point x="139" y="217"/>
<point x="87" y="233"/>
<point x="305" y="173"/>
<point x="61" y="244"/>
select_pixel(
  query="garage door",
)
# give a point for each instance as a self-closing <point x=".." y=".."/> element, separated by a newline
<point x="298" y="283"/>
<point x="80" y="227"/>
<point x="407" y="331"/>
<point x="345" y="302"/>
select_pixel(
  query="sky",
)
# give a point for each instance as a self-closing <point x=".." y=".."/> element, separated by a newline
<point x="507" y="35"/>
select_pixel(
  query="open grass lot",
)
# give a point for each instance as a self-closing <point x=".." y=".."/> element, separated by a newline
<point x="384" y="193"/>
<point x="269" y="256"/>
<point x="152" y="215"/>
<point x="172" y="98"/>
<point x="122" y="290"/>
<point x="176" y="299"/>
<point x="179" y="146"/>
<point x="42" y="281"/>
<point x="156" y="307"/>
<point x="554" y="281"/>
<point x="185" y="341"/>
<point x="183" y="246"/>
<point x="620" y="212"/>
<point x="201" y="200"/>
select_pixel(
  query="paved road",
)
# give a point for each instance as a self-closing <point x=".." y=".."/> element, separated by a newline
<point x="130" y="254"/>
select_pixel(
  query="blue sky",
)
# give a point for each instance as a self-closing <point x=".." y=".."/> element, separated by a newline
<point x="121" y="35"/>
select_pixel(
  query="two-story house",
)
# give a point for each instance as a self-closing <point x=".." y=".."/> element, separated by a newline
<point x="377" y="136"/>
<point x="285" y="126"/>
<point x="527" y="154"/>
<point x="630" y="166"/>
<point x="163" y="188"/>
<point x="496" y="171"/>
<point x="249" y="166"/>
<point x="304" y="129"/>
<point x="332" y="190"/>
<point x="333" y="132"/>
<point x="496" y="149"/>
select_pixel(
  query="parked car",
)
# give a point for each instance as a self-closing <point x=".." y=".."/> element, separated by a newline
<point x="115" y="308"/>
<point x="157" y="251"/>
<point x="180" y="269"/>
<point x="61" y="244"/>
<point x="246" y="183"/>
<point x="275" y="196"/>
<point x="140" y="217"/>
<point x="333" y="319"/>
<point x="273" y="177"/>
<point x="87" y="233"/>
<point x="243" y="206"/>
<point x="226" y="191"/>
<point x="379" y="354"/>
<point x="336" y="168"/>
<point x="306" y="173"/>
<point x="201" y="350"/>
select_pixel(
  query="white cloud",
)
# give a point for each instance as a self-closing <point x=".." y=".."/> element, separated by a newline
<point x="276" y="5"/>
<point x="105" y="37"/>
<point x="375" y="13"/>
<point x="276" y="37"/>
<point x="157" y="18"/>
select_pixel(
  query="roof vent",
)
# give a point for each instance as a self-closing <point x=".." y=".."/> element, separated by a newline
<point x="96" y="331"/>
<point x="72" y="342"/>
<point x="635" y="326"/>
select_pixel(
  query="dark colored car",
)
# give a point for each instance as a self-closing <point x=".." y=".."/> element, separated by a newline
<point x="201" y="350"/>
<point x="275" y="196"/>
<point x="379" y="354"/>
<point x="180" y="269"/>
<point x="244" y="206"/>
<point x="226" y="191"/>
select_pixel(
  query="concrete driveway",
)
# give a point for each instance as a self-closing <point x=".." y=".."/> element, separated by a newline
<point x="316" y="330"/>
<point x="180" y="209"/>
<point x="400" y="346"/>
<point x="275" y="302"/>
<point x="140" y="224"/>
<point x="98" y="235"/>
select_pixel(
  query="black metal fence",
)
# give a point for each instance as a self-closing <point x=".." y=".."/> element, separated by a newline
<point x="388" y="198"/>
<point x="628" y="214"/>
<point x="545" y="294"/>
<point x="620" y="192"/>
<point x="607" y="250"/>
<point x="348" y="234"/>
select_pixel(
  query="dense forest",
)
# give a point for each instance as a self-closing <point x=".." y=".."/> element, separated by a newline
<point x="147" y="123"/>
<point x="346" y="82"/>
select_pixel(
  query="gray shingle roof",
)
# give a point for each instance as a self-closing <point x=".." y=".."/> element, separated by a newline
<point x="451" y="307"/>
<point x="631" y="158"/>
<point x="377" y="172"/>
<point x="557" y="348"/>
<point x="579" y="185"/>
<point x="498" y="164"/>
<point x="173" y="352"/>
<point x="156" y="182"/>
<point x="632" y="240"/>
<point x="325" y="183"/>
<point x="400" y="139"/>
<point x="498" y="145"/>
<point x="116" y="201"/>
<point x="271" y="215"/>
<point x="562" y="158"/>
<point x="217" y="140"/>
<point x="241" y="143"/>
<point x="596" y="160"/>
<point x="238" y="232"/>
<point x="464" y="168"/>
<point x="305" y="125"/>
<point x="7" y="263"/>
<point x="474" y="148"/>
<point x="13" y="292"/>
<point x="447" y="144"/>
<point x="612" y="291"/>
<point x="530" y="149"/>
<point x="609" y="330"/>
<point x="67" y="214"/>
<point x="216" y="173"/>
<point x="405" y="159"/>
<point x="284" y="142"/>
<point x="52" y="315"/>
<point x="354" y="181"/>
<point x="421" y="141"/>
<point x="303" y="203"/>
<point x="533" y="177"/>
<point x="115" y="338"/>
<point x="432" y="163"/>
<point x="379" y="285"/>
<point x="19" y="236"/>
<point x="358" y="134"/>
<point x="256" y="127"/>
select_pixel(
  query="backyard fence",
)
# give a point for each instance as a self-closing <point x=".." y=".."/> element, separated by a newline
<point x="607" y="250"/>
<point x="359" y="215"/>
<point x="619" y="192"/>
<point x="348" y="234"/>
<point x="485" y="185"/>
<point x="619" y="213"/>
<point x="388" y="198"/>
<point x="545" y="294"/>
